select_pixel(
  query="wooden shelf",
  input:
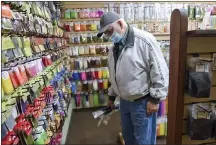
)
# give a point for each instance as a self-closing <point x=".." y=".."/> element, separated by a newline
<point x="102" y="43"/>
<point x="89" y="55"/>
<point x="79" y="19"/>
<point x="186" y="140"/>
<point x="81" y="32"/>
<point x="159" y="36"/>
<point x="191" y="100"/>
<point x="202" y="33"/>
<point x="89" y="108"/>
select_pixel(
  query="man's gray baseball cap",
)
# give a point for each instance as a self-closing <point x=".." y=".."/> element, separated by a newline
<point x="106" y="20"/>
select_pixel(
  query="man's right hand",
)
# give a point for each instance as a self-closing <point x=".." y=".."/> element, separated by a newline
<point x="111" y="104"/>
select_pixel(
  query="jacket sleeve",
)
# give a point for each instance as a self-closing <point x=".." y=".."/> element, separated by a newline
<point x="112" y="95"/>
<point x="159" y="73"/>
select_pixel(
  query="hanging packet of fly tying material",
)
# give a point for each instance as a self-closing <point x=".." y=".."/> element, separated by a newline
<point x="199" y="77"/>
<point x="104" y="114"/>
<point x="200" y="121"/>
<point x="17" y="50"/>
<point x="213" y="106"/>
<point x="7" y="43"/>
<point x="6" y="83"/>
<point x="27" y="46"/>
<point x="10" y="138"/>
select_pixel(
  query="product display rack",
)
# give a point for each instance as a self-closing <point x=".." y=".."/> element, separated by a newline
<point x="33" y="90"/>
<point x="80" y="5"/>
<point x="185" y="46"/>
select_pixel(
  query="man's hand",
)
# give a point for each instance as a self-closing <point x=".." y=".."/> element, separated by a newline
<point x="151" y="107"/>
<point x="111" y="104"/>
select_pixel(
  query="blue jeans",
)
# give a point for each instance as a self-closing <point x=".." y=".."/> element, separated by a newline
<point x="137" y="127"/>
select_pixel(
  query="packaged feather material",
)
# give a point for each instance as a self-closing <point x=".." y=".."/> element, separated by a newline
<point x="104" y="114"/>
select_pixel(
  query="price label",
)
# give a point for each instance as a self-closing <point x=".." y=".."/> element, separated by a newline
<point x="202" y="114"/>
<point x="5" y="75"/>
<point x="200" y="67"/>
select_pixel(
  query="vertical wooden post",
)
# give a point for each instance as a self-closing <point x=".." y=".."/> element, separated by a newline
<point x="178" y="46"/>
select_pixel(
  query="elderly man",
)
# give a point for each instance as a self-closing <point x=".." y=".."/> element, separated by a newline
<point x="138" y="74"/>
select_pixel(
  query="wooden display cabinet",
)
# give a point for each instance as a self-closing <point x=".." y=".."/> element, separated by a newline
<point x="183" y="45"/>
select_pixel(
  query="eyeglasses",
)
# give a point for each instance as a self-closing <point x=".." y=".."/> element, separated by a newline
<point x="109" y="31"/>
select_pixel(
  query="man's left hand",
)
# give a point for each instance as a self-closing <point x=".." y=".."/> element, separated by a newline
<point x="151" y="107"/>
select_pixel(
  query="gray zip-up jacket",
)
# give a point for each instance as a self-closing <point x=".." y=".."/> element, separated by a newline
<point x="140" y="69"/>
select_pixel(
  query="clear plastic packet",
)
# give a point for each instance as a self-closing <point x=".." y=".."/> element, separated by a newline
<point x="7" y="24"/>
<point x="94" y="38"/>
<point x="81" y="50"/>
<point x="83" y="38"/>
<point x="86" y="50"/>
<point x="100" y="12"/>
<point x="85" y="63"/>
<point x="77" y="26"/>
<point x="98" y="61"/>
<point x="81" y="13"/>
<point x="95" y="85"/>
<point x="89" y="38"/>
<point x="104" y="114"/>
<point x="98" y="49"/>
<point x="76" y="39"/>
<point x="94" y="26"/>
<point x="73" y="14"/>
<point x="86" y="13"/>
<point x="200" y="121"/>
<point x="92" y="13"/>
<point x="83" y="26"/>
<point x="75" y="51"/>
<point x="88" y="26"/>
<point x="92" y="49"/>
<point x="199" y="77"/>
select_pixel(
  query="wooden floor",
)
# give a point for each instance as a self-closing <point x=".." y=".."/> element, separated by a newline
<point x="83" y="130"/>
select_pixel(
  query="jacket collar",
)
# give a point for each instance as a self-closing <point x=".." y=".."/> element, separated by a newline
<point x="130" y="36"/>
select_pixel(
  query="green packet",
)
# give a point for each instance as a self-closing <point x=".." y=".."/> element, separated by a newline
<point x="7" y="43"/>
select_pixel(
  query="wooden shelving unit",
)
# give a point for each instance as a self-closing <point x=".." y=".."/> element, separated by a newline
<point x="78" y="20"/>
<point x="89" y="55"/>
<point x="183" y="44"/>
<point x="159" y="36"/>
<point x="82" y="44"/>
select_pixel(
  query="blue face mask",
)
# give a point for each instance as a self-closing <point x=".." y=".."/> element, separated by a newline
<point x="116" y="37"/>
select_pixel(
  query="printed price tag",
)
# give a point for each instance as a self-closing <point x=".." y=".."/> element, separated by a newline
<point x="5" y="75"/>
<point x="200" y="67"/>
<point x="202" y="114"/>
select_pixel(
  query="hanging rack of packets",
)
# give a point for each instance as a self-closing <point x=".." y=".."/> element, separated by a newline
<point x="33" y="111"/>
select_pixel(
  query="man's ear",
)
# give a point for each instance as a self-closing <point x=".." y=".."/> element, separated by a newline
<point x="120" y="24"/>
